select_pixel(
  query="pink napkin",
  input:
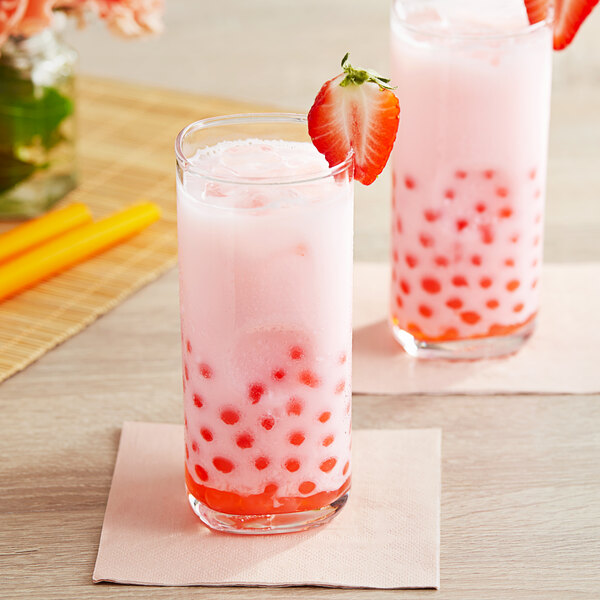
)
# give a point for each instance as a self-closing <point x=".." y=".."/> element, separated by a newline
<point x="561" y="357"/>
<point x="387" y="535"/>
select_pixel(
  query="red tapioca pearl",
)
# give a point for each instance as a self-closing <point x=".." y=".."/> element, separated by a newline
<point x="488" y="173"/>
<point x="185" y="421"/>
<point x="294" y="407"/>
<point x="205" y="370"/>
<point x="470" y="317"/>
<point x="449" y="194"/>
<point x="267" y="423"/>
<point x="514" y="238"/>
<point x="255" y="392"/>
<point x="460" y="174"/>
<point x="395" y="255"/>
<point x="296" y="438"/>
<point x="492" y="304"/>
<point x="431" y="285"/>
<point x="206" y="434"/>
<point x="394" y="181"/>
<point x="186" y="373"/>
<point x="340" y="387"/>
<point x="278" y="374"/>
<point x="425" y="311"/>
<point x="409" y="182"/>
<point x="229" y="416"/>
<point x="328" y="464"/>
<point x="431" y="215"/>
<point x="328" y="441"/>
<point x="535" y="262"/>
<point x="413" y="328"/>
<point x="485" y="282"/>
<point x="324" y="416"/>
<point x="342" y="358"/>
<point x="536" y="240"/>
<point x="195" y="446"/>
<point x="480" y="207"/>
<point x="501" y="192"/>
<point x="306" y="487"/>
<point x="404" y="285"/>
<point x="270" y="489"/>
<point x="505" y="212"/>
<point x="512" y="285"/>
<point x="450" y="334"/>
<point x="518" y="307"/>
<point x="262" y="462"/>
<point x="187" y="453"/>
<point x="244" y="440"/>
<point x="411" y="261"/>
<point x="461" y="224"/>
<point x="296" y="353"/>
<point x="459" y="281"/>
<point x="188" y="346"/>
<point x="454" y="303"/>
<point x="534" y="284"/>
<point x="441" y="261"/>
<point x="532" y="173"/>
<point x="509" y="262"/>
<point x="198" y="401"/>
<point x="399" y="225"/>
<point x="487" y="236"/>
<point x="399" y="302"/>
<point x="223" y="464"/>
<point x="309" y="379"/>
<point x="476" y="260"/>
<point x="426" y="240"/>
<point x="201" y="473"/>
<point x="292" y="465"/>
<point x="346" y="467"/>
<point x="394" y="276"/>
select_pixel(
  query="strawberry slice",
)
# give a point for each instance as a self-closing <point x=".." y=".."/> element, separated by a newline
<point x="537" y="10"/>
<point x="568" y="17"/>
<point x="355" y="110"/>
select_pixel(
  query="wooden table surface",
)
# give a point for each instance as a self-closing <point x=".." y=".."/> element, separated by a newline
<point x="520" y="474"/>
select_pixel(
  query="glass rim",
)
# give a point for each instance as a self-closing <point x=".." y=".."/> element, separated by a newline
<point x="471" y="37"/>
<point x="244" y="118"/>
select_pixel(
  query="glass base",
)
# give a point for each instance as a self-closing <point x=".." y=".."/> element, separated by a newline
<point x="466" y="349"/>
<point x="266" y="524"/>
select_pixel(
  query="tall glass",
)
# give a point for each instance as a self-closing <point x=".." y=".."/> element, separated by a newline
<point x="265" y="269"/>
<point x="469" y="173"/>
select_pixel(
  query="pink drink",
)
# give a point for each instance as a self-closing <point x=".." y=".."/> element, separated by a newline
<point x="265" y="291"/>
<point x="469" y="171"/>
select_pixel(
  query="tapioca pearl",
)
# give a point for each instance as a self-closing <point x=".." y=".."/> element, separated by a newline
<point x="328" y="441"/>
<point x="306" y="487"/>
<point x="324" y="416"/>
<point x="450" y="334"/>
<point x="488" y="173"/>
<point x="459" y="281"/>
<point x="348" y="408"/>
<point x="186" y="373"/>
<point x="487" y="235"/>
<point x="187" y="453"/>
<point x="485" y="282"/>
<point x="518" y="307"/>
<point x="399" y="302"/>
<point x="296" y="438"/>
<point x="278" y="374"/>
<point x="413" y="328"/>
<point x="509" y="262"/>
<point x="255" y="392"/>
<point x="292" y="465"/>
<point x="536" y="240"/>
<point x="470" y="317"/>
<point x="492" y="304"/>
<point x="223" y="464"/>
<point x="261" y="463"/>
<point x="426" y="240"/>
<point x="409" y="182"/>
<point x="441" y="261"/>
<point x="244" y="440"/>
<point x="454" y="303"/>
<point x="538" y="218"/>
<point x="394" y="276"/>
<point x="201" y="472"/>
<point x="188" y="346"/>
<point x="294" y="407"/>
<point x="205" y="370"/>
<point x="399" y="225"/>
<point x="449" y="194"/>
<point x="461" y="224"/>
<point x="340" y="387"/>
<point x="505" y="212"/>
<point x="267" y="423"/>
<point x="512" y="285"/>
<point x="534" y="262"/>
<point x="425" y="311"/>
<point x="270" y="489"/>
<point x="537" y="193"/>
<point x="431" y="215"/>
<point x="476" y="260"/>
<point x="207" y="434"/>
<point x="411" y="261"/>
<point x="328" y="464"/>
<point x="198" y="402"/>
<point x="431" y="285"/>
<point x="342" y="358"/>
<point x="514" y="238"/>
<point x="460" y="174"/>
<point x="296" y="353"/>
<point x="395" y="255"/>
<point x="405" y="286"/>
<point x="195" y="447"/>
<point x="346" y="467"/>
<point x="534" y="284"/>
<point x="184" y="384"/>
<point x="501" y="192"/>
<point x="532" y="173"/>
<point x="185" y="421"/>
<point x="309" y="379"/>
<point x="230" y="416"/>
<point x="480" y="207"/>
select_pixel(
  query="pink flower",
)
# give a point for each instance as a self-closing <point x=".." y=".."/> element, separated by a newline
<point x="24" y="17"/>
<point x="11" y="13"/>
<point x="131" y="18"/>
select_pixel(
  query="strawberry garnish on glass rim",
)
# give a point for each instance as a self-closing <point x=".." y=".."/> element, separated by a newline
<point x="568" y="17"/>
<point x="356" y="110"/>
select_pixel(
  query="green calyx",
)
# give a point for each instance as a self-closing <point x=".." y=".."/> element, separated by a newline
<point x="360" y="76"/>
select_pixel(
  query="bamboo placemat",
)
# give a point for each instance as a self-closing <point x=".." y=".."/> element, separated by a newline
<point x="125" y="153"/>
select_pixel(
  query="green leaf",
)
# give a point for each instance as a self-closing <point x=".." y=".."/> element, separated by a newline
<point x="13" y="171"/>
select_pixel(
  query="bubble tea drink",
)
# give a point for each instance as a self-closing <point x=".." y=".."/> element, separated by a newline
<point x="265" y="265"/>
<point x="469" y="172"/>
